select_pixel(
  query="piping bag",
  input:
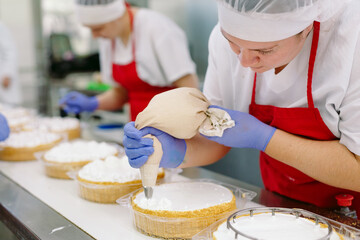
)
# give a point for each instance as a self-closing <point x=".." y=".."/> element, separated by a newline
<point x="149" y="170"/>
<point x="182" y="113"/>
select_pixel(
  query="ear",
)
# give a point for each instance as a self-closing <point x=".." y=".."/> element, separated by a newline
<point x="306" y="31"/>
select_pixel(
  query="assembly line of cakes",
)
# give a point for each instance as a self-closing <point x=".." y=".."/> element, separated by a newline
<point x="193" y="209"/>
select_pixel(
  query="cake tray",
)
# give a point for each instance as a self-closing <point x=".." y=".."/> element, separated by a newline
<point x="334" y="227"/>
<point x="181" y="228"/>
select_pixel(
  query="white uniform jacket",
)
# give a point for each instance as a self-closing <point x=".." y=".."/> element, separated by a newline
<point x="336" y="79"/>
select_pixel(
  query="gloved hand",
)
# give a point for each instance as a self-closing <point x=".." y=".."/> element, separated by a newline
<point x="138" y="149"/>
<point x="4" y="128"/>
<point x="248" y="132"/>
<point x="75" y="102"/>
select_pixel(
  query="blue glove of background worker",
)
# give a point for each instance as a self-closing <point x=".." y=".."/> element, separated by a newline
<point x="248" y="132"/>
<point x="75" y="102"/>
<point x="4" y="128"/>
<point x="139" y="149"/>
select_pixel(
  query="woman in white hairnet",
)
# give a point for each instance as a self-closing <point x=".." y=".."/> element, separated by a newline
<point x="142" y="53"/>
<point x="288" y="74"/>
<point x="9" y="83"/>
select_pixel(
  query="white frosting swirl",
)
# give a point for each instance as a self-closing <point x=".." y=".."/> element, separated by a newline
<point x="53" y="124"/>
<point x="17" y="117"/>
<point x="278" y="227"/>
<point x="29" y="139"/>
<point x="78" y="151"/>
<point x="113" y="169"/>
<point x="184" y="196"/>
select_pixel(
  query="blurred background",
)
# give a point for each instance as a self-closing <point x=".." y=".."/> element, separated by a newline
<point x="56" y="55"/>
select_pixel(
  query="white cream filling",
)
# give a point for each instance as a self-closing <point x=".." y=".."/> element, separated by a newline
<point x="184" y="196"/>
<point x="78" y="151"/>
<point x="278" y="227"/>
<point x="17" y="116"/>
<point x="53" y="124"/>
<point x="29" y="139"/>
<point x="112" y="169"/>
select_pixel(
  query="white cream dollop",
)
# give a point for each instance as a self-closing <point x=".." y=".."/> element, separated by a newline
<point x="78" y="151"/>
<point x="184" y="196"/>
<point x="278" y="227"/>
<point x="29" y="139"/>
<point x="18" y="116"/>
<point x="53" y="124"/>
<point x="112" y="169"/>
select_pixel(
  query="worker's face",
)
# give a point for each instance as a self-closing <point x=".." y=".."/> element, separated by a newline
<point x="263" y="56"/>
<point x="108" y="30"/>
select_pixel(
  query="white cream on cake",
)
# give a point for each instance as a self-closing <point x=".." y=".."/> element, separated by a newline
<point x="184" y="196"/>
<point x="29" y="139"/>
<point x="78" y="151"/>
<point x="112" y="169"/>
<point x="278" y="227"/>
<point x="54" y="124"/>
<point x="17" y="116"/>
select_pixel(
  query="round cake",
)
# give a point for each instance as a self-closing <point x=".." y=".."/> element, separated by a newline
<point x="106" y="181"/>
<point x="71" y="156"/>
<point x="180" y="210"/>
<point x="17" y="117"/>
<point x="21" y="146"/>
<point x="68" y="126"/>
<point x="280" y="226"/>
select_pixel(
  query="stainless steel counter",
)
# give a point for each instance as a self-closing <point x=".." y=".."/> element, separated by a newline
<point x="34" y="206"/>
<point x="29" y="218"/>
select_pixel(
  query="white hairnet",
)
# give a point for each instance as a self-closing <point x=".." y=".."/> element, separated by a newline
<point x="273" y="20"/>
<point x="96" y="12"/>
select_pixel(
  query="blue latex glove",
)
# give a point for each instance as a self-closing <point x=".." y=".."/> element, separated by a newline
<point x="4" y="128"/>
<point x="138" y="149"/>
<point x="248" y="132"/>
<point x="75" y="102"/>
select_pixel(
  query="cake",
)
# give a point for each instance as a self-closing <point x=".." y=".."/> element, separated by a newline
<point x="21" y="146"/>
<point x="106" y="181"/>
<point x="281" y="226"/>
<point x="181" y="209"/>
<point x="71" y="156"/>
<point x="17" y="117"/>
<point x="68" y="126"/>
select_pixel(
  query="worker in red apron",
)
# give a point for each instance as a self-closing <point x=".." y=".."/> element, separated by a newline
<point x="288" y="74"/>
<point x="142" y="53"/>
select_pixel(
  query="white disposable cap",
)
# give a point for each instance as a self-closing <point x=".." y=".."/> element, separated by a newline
<point x="273" y="20"/>
<point x="96" y="12"/>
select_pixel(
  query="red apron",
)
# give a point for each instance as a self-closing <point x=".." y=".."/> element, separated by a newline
<point x="305" y="122"/>
<point x="139" y="92"/>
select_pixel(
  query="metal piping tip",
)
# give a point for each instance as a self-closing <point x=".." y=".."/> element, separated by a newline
<point x="148" y="192"/>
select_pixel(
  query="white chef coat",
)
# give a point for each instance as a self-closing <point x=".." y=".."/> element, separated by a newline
<point x="8" y="67"/>
<point x="162" y="54"/>
<point x="336" y="78"/>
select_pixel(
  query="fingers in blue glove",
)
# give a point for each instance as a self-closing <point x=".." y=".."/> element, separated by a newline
<point x="71" y="109"/>
<point x="134" y="153"/>
<point x="152" y="131"/>
<point x="67" y="97"/>
<point x="137" y="143"/>
<point x="138" y="162"/>
<point x="131" y="131"/>
<point x="4" y="128"/>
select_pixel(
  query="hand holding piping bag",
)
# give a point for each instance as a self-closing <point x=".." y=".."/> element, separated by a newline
<point x="149" y="149"/>
<point x="165" y="123"/>
<point x="168" y="127"/>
